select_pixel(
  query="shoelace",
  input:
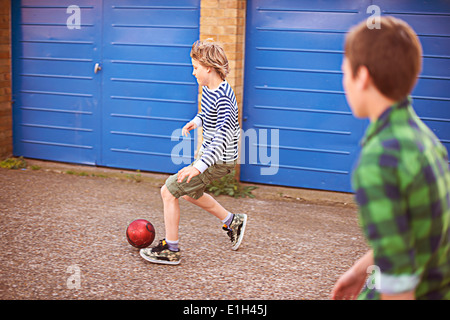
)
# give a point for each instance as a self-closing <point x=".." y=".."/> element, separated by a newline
<point x="229" y="232"/>
<point x="160" y="247"/>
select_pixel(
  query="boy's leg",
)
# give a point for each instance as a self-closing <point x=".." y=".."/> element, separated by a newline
<point x="166" y="252"/>
<point x="208" y="203"/>
<point x="171" y="214"/>
<point x="170" y="192"/>
<point x="235" y="225"/>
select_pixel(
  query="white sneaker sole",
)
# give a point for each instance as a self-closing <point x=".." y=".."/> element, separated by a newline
<point x="143" y="255"/>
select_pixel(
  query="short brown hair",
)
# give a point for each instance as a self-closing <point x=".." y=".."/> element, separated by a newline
<point x="392" y="54"/>
<point x="211" y="54"/>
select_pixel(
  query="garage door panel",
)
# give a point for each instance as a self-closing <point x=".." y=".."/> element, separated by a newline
<point x="310" y="40"/>
<point x="316" y="80"/>
<point x="57" y="103"/>
<point x="435" y="46"/>
<point x="57" y="33"/>
<point x="180" y="55"/>
<point x="155" y="109"/>
<point x="320" y="101"/>
<point x="161" y="36"/>
<point x="436" y="66"/>
<point x="446" y="143"/>
<point x="142" y="70"/>
<point x="32" y="115"/>
<point x="56" y="129"/>
<point x="307" y="5"/>
<point x="417" y="6"/>
<point x="56" y="3"/>
<point x="303" y="177"/>
<point x="56" y="85"/>
<point x="303" y="119"/>
<point x="56" y="50"/>
<point x="64" y="152"/>
<point x="302" y="138"/>
<point x="56" y="15"/>
<point x="143" y="124"/>
<point x="310" y="158"/>
<point x="436" y="88"/>
<point x="298" y="59"/>
<point x="137" y="159"/>
<point x="141" y="141"/>
<point x="152" y="15"/>
<point x="425" y="24"/>
<point x="143" y="89"/>
<point x="439" y="127"/>
<point x="57" y="67"/>
<point x="426" y="18"/>
<point x="291" y="20"/>
<point x="432" y="108"/>
<point x="49" y="134"/>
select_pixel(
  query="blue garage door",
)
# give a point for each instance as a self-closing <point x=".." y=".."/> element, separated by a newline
<point x="103" y="82"/>
<point x="295" y="111"/>
<point x="431" y="21"/>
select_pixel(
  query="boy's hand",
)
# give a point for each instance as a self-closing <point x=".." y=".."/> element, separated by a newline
<point x="348" y="286"/>
<point x="188" y="172"/>
<point x="188" y="127"/>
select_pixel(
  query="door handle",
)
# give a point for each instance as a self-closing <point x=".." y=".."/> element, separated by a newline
<point x="97" y="67"/>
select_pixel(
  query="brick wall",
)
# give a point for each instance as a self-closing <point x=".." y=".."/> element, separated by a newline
<point x="224" y="21"/>
<point x="5" y="80"/>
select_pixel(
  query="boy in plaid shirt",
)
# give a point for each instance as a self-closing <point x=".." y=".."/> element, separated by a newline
<point x="402" y="179"/>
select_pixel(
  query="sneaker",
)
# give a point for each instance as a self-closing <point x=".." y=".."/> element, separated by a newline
<point x="236" y="230"/>
<point x="161" y="254"/>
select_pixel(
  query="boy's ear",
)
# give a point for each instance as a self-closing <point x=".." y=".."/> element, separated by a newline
<point x="363" y="78"/>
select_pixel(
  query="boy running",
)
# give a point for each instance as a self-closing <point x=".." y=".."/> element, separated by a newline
<point x="217" y="157"/>
<point x="402" y="179"/>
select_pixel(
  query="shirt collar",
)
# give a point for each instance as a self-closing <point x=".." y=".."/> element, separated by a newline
<point x="383" y="120"/>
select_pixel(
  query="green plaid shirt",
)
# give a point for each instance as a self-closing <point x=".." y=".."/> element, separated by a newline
<point x="402" y="187"/>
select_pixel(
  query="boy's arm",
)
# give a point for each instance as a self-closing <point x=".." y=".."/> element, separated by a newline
<point x="187" y="172"/>
<point x="198" y="120"/>
<point x="349" y="285"/>
<point x="191" y="125"/>
<point x="386" y="224"/>
<point x="351" y="282"/>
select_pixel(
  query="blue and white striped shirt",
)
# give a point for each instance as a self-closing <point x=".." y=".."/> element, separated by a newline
<point x="221" y="131"/>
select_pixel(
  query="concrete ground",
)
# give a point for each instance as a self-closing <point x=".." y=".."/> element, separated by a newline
<point x="63" y="237"/>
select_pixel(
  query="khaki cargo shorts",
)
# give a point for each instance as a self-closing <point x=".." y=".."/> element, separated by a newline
<point x="196" y="187"/>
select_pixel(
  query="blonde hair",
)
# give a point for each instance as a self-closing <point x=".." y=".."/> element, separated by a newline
<point x="211" y="54"/>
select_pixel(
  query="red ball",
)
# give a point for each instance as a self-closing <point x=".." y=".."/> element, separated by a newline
<point x="140" y="233"/>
